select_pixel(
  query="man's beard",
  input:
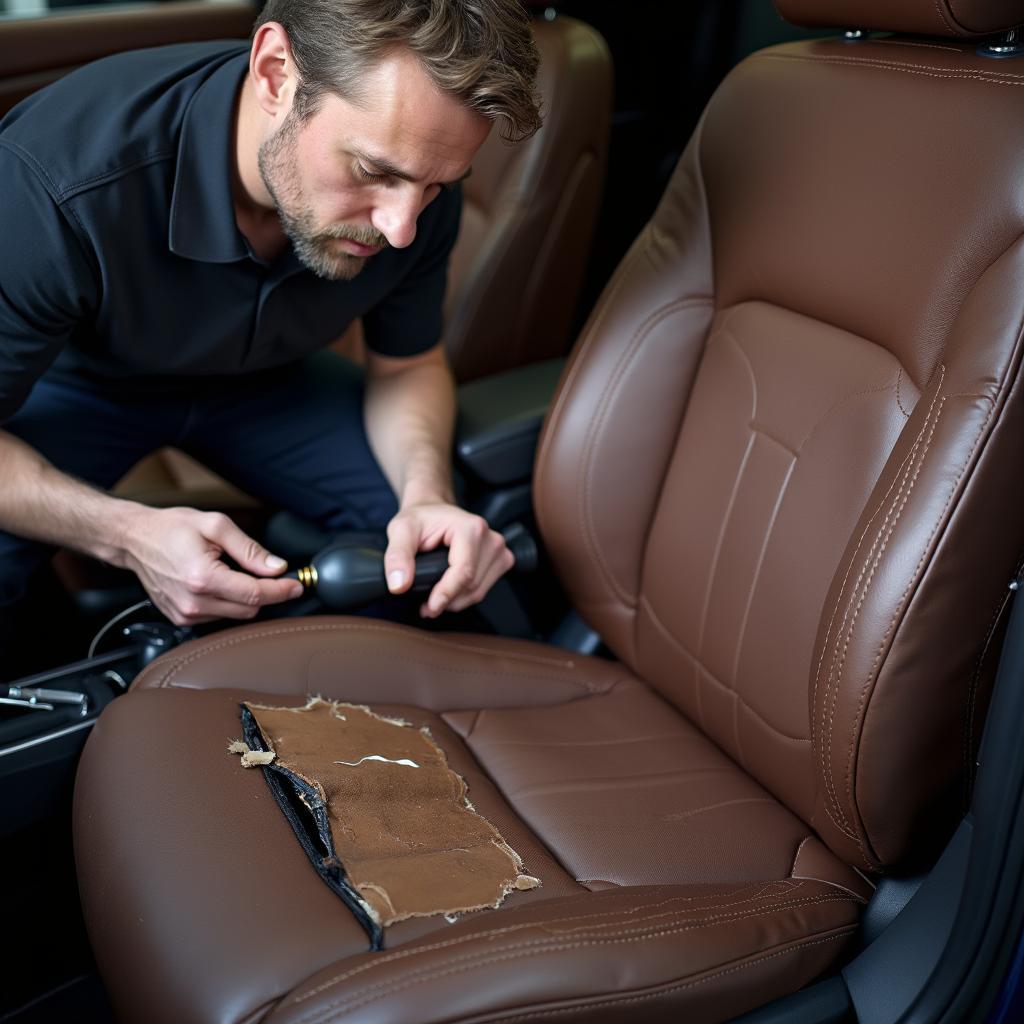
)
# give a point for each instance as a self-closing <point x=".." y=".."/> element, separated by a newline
<point x="316" y="249"/>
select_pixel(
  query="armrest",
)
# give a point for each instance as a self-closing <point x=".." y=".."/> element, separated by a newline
<point x="500" y="419"/>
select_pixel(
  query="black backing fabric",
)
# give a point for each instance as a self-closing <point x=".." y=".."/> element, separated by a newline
<point x="306" y="812"/>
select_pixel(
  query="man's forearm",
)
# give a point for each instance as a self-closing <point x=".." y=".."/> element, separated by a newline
<point x="175" y="552"/>
<point x="39" y="502"/>
<point x="410" y="418"/>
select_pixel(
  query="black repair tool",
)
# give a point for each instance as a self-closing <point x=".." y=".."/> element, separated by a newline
<point x="350" y="573"/>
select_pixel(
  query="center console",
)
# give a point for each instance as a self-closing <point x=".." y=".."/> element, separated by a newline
<point x="45" y="719"/>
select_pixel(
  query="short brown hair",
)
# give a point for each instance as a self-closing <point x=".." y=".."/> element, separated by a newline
<point x="481" y="51"/>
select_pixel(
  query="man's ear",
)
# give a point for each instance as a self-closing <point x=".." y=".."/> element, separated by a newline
<point x="272" y="69"/>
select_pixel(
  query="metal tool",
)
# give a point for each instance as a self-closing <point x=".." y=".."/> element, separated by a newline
<point x="28" y="705"/>
<point x="41" y="699"/>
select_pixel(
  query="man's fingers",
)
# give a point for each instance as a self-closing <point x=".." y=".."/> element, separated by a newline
<point x="497" y="569"/>
<point x="238" y="588"/>
<point x="460" y="576"/>
<point x="457" y="580"/>
<point x="403" y="542"/>
<point x="209" y="610"/>
<point x="248" y="553"/>
<point x="230" y="595"/>
<point x="474" y="567"/>
<point x="477" y="556"/>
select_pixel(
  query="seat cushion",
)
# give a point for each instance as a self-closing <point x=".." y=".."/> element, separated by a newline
<point x="684" y="882"/>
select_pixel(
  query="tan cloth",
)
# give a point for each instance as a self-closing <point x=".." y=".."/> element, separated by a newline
<point x="402" y="827"/>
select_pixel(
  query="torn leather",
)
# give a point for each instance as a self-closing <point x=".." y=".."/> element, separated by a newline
<point x="382" y="817"/>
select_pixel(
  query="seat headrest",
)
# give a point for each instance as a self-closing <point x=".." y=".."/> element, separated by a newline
<point x="965" y="19"/>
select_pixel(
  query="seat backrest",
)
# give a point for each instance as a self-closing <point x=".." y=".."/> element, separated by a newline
<point x="783" y="475"/>
<point x="37" y="51"/>
<point x="529" y="215"/>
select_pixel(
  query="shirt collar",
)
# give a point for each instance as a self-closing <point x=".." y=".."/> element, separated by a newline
<point x="202" y="222"/>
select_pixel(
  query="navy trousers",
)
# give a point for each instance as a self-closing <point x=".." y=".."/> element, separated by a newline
<point x="291" y="437"/>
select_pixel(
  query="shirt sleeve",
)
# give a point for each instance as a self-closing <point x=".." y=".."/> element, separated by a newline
<point x="47" y="286"/>
<point x="409" y="319"/>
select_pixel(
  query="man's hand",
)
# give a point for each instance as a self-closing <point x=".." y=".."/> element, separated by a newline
<point x="410" y="414"/>
<point x="477" y="556"/>
<point x="176" y="553"/>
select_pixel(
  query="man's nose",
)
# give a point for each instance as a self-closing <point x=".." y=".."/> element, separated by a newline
<point x="395" y="215"/>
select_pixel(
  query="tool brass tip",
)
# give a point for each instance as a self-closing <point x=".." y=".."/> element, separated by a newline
<point x="307" y="576"/>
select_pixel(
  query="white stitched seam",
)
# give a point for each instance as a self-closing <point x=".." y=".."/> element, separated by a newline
<point x="762" y="891"/>
<point x="481" y="958"/>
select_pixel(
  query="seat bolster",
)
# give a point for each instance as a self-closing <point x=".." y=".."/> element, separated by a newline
<point x="640" y="350"/>
<point x="648" y="953"/>
<point x="367" y="660"/>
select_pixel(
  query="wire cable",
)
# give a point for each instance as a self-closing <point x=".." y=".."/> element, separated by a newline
<point x="117" y="618"/>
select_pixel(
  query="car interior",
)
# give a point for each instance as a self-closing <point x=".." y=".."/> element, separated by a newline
<point x="739" y="336"/>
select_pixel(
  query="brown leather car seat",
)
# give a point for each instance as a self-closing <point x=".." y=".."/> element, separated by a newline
<point x="529" y="215"/>
<point x="35" y="51"/>
<point x="780" y="479"/>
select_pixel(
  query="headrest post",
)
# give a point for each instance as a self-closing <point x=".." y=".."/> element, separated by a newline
<point x="1008" y="46"/>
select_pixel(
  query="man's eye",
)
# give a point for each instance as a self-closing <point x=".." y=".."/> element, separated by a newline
<point x="362" y="172"/>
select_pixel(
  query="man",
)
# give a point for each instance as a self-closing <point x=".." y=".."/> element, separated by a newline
<point x="182" y="227"/>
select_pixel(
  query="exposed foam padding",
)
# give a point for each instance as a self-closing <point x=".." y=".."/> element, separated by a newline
<point x="391" y="819"/>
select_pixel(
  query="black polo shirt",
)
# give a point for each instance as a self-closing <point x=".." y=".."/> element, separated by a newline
<point x="120" y="259"/>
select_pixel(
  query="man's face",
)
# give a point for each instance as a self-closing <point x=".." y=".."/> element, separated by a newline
<point x="352" y="179"/>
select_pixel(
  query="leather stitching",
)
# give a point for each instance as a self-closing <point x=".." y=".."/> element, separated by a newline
<point x="723" y="332"/>
<point x="543" y="947"/>
<point x="842" y="591"/>
<point x="900" y="604"/>
<point x="834" y="673"/>
<point x="482" y="958"/>
<point x="826" y="732"/>
<point x="621" y="276"/>
<point x="825" y="643"/>
<point x="923" y="46"/>
<point x="662" y="992"/>
<point x="587" y="343"/>
<point x="636" y="254"/>
<point x="769" y="529"/>
<point x="664" y="630"/>
<point x="897" y="65"/>
<point x="988" y="78"/>
<point x="942" y="16"/>
<point x="875" y="557"/>
<point x="982" y="433"/>
<point x="796" y="452"/>
<point x="184" y="660"/>
<point x="603" y="408"/>
<point x="589" y="784"/>
<point x="403" y="954"/>
<point x="823" y="418"/>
